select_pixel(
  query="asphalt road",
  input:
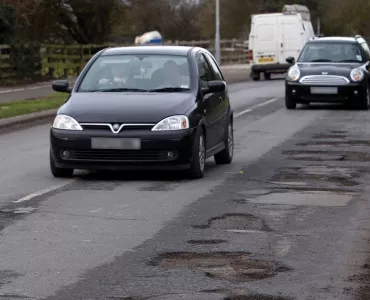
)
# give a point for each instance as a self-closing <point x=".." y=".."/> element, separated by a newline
<point x="283" y="220"/>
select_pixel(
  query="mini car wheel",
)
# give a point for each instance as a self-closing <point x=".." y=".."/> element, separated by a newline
<point x="198" y="163"/>
<point x="59" y="172"/>
<point x="365" y="103"/>
<point x="226" y="155"/>
<point x="289" y="103"/>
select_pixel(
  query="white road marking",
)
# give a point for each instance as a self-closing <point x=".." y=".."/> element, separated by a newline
<point x="25" y="89"/>
<point x="239" y="114"/>
<point x="44" y="191"/>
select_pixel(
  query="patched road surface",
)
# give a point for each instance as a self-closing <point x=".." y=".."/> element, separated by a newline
<point x="288" y="219"/>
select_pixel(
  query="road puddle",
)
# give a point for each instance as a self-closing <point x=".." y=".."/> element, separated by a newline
<point x="230" y="266"/>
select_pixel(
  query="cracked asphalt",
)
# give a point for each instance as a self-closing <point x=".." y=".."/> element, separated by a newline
<point x="288" y="219"/>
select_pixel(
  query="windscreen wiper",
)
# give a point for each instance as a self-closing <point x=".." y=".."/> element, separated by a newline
<point x="170" y="89"/>
<point x="321" y="60"/>
<point x="121" y="90"/>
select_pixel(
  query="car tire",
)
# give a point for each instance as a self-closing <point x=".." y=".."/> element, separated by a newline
<point x="198" y="162"/>
<point x="267" y="76"/>
<point x="255" y="76"/>
<point x="289" y="103"/>
<point x="226" y="155"/>
<point x="365" y="103"/>
<point x="59" y="172"/>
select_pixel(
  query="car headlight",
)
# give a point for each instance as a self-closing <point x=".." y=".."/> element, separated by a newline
<point x="66" y="122"/>
<point x="172" y="123"/>
<point x="357" y="75"/>
<point x="293" y="74"/>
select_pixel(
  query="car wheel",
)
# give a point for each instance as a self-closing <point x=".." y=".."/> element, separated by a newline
<point x="255" y="76"/>
<point x="289" y="103"/>
<point x="59" y="172"/>
<point x="267" y="76"/>
<point x="365" y="103"/>
<point x="226" y="155"/>
<point x="198" y="163"/>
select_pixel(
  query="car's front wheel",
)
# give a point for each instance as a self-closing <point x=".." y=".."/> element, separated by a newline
<point x="198" y="162"/>
<point x="226" y="155"/>
<point x="365" y="103"/>
<point x="289" y="103"/>
<point x="59" y="172"/>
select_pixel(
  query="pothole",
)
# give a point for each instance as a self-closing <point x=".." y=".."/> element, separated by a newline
<point x="240" y="294"/>
<point x="230" y="266"/>
<point x="343" y="143"/>
<point x="307" y="176"/>
<point x="330" y="136"/>
<point x="235" y="222"/>
<point x="257" y="297"/>
<point x="302" y="198"/>
<point x="206" y="242"/>
<point x="328" y="155"/>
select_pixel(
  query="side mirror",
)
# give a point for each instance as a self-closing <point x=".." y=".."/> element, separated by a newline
<point x="61" y="86"/>
<point x="290" y="60"/>
<point x="214" y="86"/>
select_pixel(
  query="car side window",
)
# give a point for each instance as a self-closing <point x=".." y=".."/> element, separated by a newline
<point x="205" y="73"/>
<point x="216" y="71"/>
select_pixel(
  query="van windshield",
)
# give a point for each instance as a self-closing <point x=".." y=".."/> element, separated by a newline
<point x="338" y="52"/>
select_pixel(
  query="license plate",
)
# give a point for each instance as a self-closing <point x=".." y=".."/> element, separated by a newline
<point x="324" y="90"/>
<point x="266" y="59"/>
<point x="116" y="143"/>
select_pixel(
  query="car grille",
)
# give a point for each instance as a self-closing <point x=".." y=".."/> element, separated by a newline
<point x="118" y="155"/>
<point x="107" y="126"/>
<point x="330" y="80"/>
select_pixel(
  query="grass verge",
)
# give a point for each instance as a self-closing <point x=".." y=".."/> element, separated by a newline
<point x="23" y="107"/>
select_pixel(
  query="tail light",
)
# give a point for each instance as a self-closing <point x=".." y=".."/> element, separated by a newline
<point x="250" y="55"/>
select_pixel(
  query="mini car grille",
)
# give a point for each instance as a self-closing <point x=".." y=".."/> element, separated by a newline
<point x="324" y="80"/>
<point x="118" y="155"/>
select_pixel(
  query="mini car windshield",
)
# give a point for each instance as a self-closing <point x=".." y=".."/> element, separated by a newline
<point x="337" y="52"/>
<point x="138" y="73"/>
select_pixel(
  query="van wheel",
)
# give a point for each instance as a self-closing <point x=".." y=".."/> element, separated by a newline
<point x="289" y="103"/>
<point x="255" y="76"/>
<point x="267" y="76"/>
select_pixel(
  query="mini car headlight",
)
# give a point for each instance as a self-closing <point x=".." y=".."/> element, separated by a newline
<point x="66" y="122"/>
<point x="172" y="123"/>
<point x="357" y="75"/>
<point x="293" y="74"/>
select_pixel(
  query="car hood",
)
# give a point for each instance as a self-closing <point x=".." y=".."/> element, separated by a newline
<point x="125" y="107"/>
<point x="340" y="69"/>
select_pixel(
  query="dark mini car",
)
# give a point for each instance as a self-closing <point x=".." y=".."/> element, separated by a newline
<point x="153" y="107"/>
<point x="330" y="70"/>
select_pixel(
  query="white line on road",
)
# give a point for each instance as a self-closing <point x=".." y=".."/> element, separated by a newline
<point x="239" y="114"/>
<point x="25" y="89"/>
<point x="44" y="191"/>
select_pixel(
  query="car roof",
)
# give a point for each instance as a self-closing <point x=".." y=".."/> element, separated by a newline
<point x="170" y="50"/>
<point x="334" y="39"/>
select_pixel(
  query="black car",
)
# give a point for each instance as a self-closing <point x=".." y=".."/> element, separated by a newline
<point x="152" y="107"/>
<point x="330" y="70"/>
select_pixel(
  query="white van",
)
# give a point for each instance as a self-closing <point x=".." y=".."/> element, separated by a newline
<point x="276" y="36"/>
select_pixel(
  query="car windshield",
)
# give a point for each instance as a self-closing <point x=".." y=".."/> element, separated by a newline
<point x="331" y="52"/>
<point x="138" y="73"/>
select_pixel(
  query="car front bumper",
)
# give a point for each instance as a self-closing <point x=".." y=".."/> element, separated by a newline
<point x="159" y="150"/>
<point x="349" y="93"/>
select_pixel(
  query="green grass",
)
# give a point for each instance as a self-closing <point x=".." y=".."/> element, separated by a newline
<point x="23" y="107"/>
